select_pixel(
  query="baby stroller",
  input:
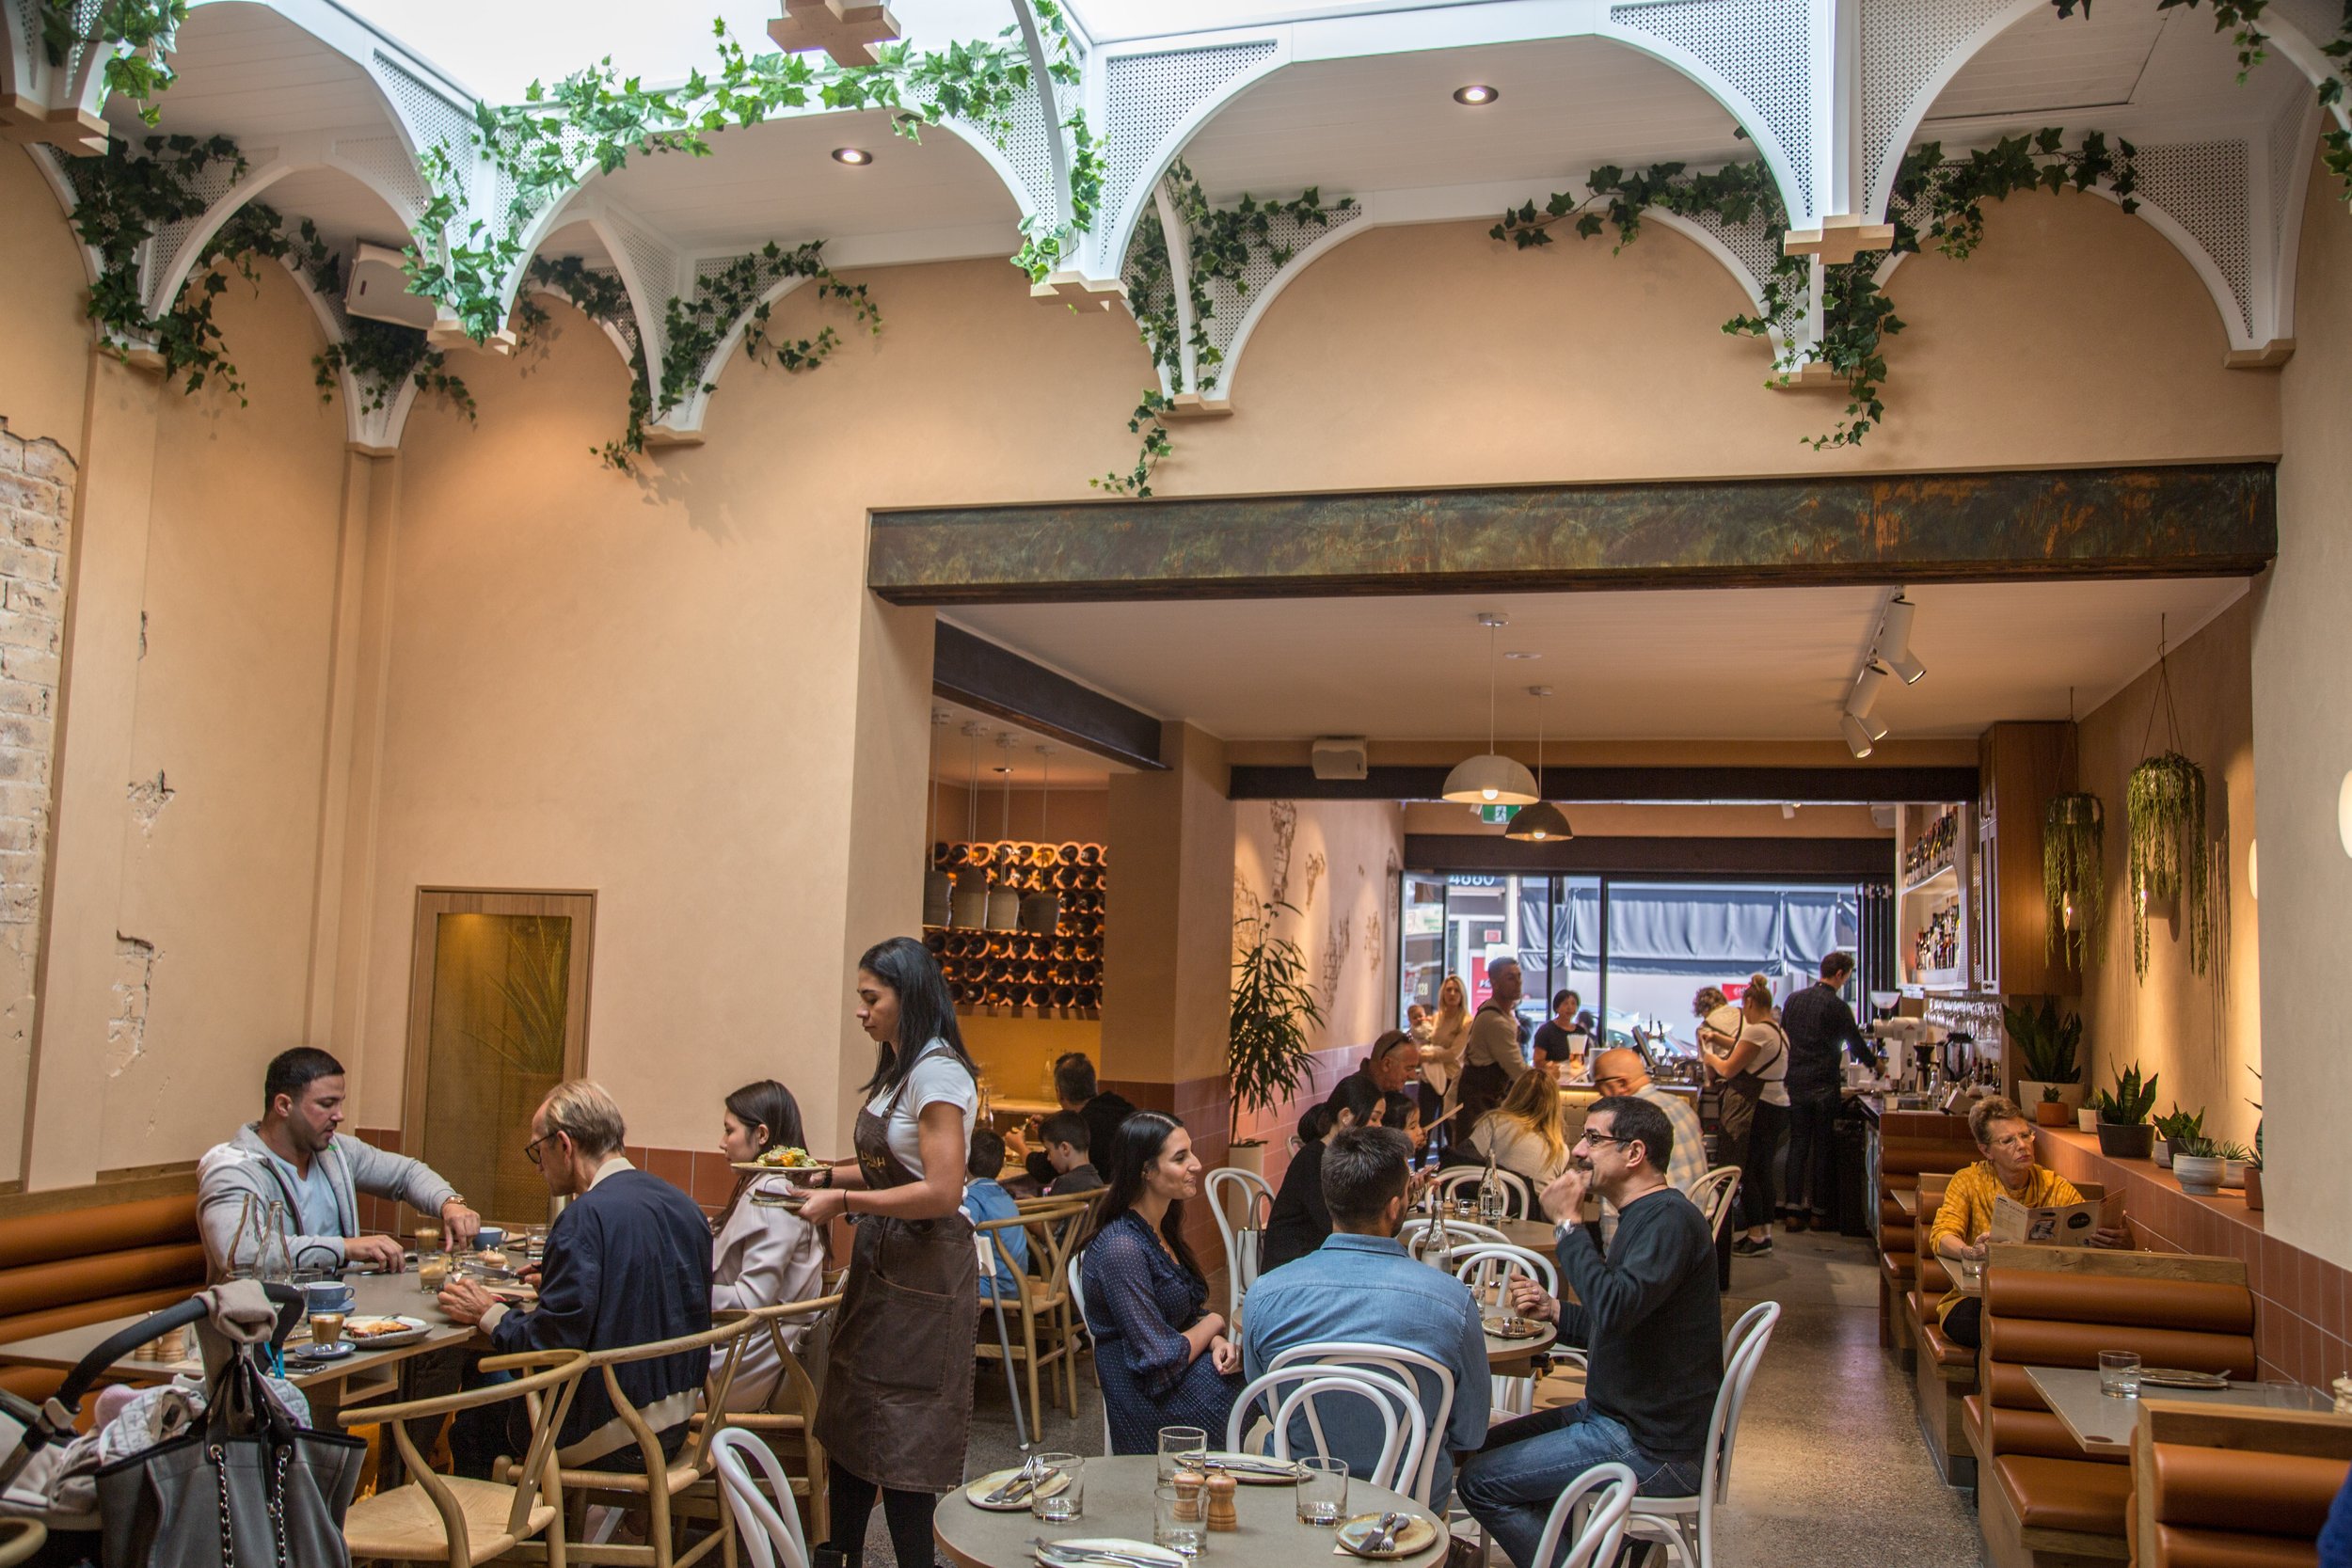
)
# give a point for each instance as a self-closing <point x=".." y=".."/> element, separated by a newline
<point x="235" y="1472"/>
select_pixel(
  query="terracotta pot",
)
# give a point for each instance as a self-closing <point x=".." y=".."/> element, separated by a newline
<point x="2254" y="1188"/>
<point x="2134" y="1142"/>
<point x="2053" y="1113"/>
<point x="2029" y="1093"/>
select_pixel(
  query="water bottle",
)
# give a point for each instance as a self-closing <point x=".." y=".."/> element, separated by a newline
<point x="273" y="1263"/>
<point x="241" y="1266"/>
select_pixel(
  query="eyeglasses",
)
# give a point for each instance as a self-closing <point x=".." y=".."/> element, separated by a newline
<point x="1591" y="1137"/>
<point x="1613" y="1078"/>
<point x="530" y="1149"/>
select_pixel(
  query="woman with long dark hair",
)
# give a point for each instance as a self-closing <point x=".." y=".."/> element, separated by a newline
<point x="1162" y="1359"/>
<point x="896" y="1413"/>
<point x="1299" y="1221"/>
<point x="761" y="1253"/>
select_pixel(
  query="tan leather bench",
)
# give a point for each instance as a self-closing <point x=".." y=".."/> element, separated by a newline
<point x="2233" y="1488"/>
<point x="2041" y="1499"/>
<point x="1943" y="1372"/>
<point x="80" y="1266"/>
<point x="1910" y="1142"/>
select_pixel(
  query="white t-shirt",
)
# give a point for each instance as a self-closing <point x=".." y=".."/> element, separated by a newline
<point x="1771" y="1062"/>
<point x="937" y="1076"/>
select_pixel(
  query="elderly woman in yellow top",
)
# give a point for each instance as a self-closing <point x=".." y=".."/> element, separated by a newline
<point x="2004" y="1135"/>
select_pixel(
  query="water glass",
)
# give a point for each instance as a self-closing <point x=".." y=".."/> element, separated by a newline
<point x="2287" y="1394"/>
<point x="1176" y="1520"/>
<point x="2118" y="1374"/>
<point x="1322" y="1491"/>
<point x="1066" y="1502"/>
<point x="1180" y="1448"/>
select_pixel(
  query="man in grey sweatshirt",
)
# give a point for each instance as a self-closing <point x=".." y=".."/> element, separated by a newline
<point x="295" y="1156"/>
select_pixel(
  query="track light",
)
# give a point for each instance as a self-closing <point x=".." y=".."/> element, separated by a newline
<point x="1858" y="739"/>
<point x="1865" y="689"/>
<point x="1905" y="667"/>
<point x="1894" y="644"/>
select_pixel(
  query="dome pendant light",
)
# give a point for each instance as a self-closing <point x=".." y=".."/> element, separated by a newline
<point x="1040" y="909"/>
<point x="1491" y="779"/>
<point x="1004" y="899"/>
<point x="969" y="908"/>
<point x="1543" y="821"/>
<point x="938" y="892"/>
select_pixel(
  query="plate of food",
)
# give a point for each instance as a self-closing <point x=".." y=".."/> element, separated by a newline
<point x="1505" y="1326"/>
<point x="1414" y="1534"/>
<point x="782" y="1157"/>
<point x="384" y="1332"/>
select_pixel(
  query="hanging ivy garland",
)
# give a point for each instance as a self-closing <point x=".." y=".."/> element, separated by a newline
<point x="1222" y="243"/>
<point x="597" y="119"/>
<point x="2166" y="801"/>
<point x="145" y="26"/>
<point x="1935" y="204"/>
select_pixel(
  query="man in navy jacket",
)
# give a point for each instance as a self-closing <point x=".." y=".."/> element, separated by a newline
<point x="628" y="1263"/>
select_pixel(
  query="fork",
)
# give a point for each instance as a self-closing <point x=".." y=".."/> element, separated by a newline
<point x="1054" y="1552"/>
<point x="1024" y="1480"/>
<point x="1385" y="1537"/>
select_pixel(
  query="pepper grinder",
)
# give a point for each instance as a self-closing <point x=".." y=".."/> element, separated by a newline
<point x="1188" y="1483"/>
<point x="1220" y="1490"/>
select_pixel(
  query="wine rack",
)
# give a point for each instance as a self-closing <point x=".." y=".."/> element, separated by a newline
<point x="1055" y="973"/>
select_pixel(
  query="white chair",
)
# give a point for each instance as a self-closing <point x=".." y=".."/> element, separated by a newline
<point x="1401" y="1439"/>
<point x="1241" y="1243"/>
<point x="1686" y="1526"/>
<point x="1602" y="1531"/>
<point x="769" y="1530"/>
<point x="1458" y="1233"/>
<point x="1519" y="1199"/>
<point x="1492" y="1264"/>
<point x="1078" y="1300"/>
<point x="1400" y="1364"/>
<point x="1715" y="1194"/>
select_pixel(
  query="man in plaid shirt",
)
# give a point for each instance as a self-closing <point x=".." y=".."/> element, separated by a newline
<point x="1621" y="1071"/>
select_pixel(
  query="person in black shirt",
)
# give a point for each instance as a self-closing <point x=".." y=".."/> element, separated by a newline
<point x="1818" y="1022"/>
<point x="1069" y="1145"/>
<point x="1299" y="1221"/>
<point x="1650" y="1319"/>
<point x="1074" y="1087"/>
<point x="1562" y="1038"/>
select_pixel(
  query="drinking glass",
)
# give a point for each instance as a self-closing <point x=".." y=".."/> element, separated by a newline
<point x="1179" y="1444"/>
<point x="432" y="1271"/>
<point x="2118" y="1374"/>
<point x="535" y="1240"/>
<point x="1322" y="1491"/>
<point x="326" y="1329"/>
<point x="2287" y="1394"/>
<point x="1067" y="1502"/>
<point x="1176" y="1520"/>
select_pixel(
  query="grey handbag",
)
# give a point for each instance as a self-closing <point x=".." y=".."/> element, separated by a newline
<point x="251" y="1490"/>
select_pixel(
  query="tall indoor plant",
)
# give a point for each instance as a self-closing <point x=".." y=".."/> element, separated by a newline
<point x="1266" y="1051"/>
<point x="2046" y="1059"/>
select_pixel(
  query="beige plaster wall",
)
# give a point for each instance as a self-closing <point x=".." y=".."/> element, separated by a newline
<point x="1337" y="863"/>
<point x="1167" y="931"/>
<point x="44" y="351"/>
<point x="1080" y="815"/>
<point x="2202" y="1034"/>
<point x="2302" y="749"/>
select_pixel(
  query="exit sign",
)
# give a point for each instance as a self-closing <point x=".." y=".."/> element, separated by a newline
<point x="1495" y="816"/>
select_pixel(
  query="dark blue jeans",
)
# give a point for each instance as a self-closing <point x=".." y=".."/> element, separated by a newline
<point x="1509" y="1485"/>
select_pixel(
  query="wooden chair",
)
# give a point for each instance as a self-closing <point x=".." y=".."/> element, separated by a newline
<point x="1042" y="1306"/>
<point x="662" y="1483"/>
<point x="785" y="1422"/>
<point x="453" y="1519"/>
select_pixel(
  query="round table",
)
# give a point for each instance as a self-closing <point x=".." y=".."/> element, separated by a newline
<point x="1119" y="1503"/>
<point x="1515" y="1358"/>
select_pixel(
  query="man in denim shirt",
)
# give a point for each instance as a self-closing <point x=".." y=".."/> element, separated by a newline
<point x="1360" y="1286"/>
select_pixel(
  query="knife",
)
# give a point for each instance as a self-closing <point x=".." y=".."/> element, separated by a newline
<point x="1023" y="1483"/>
<point x="1053" y="1553"/>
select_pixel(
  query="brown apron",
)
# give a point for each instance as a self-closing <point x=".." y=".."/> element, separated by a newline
<point x="897" y="1405"/>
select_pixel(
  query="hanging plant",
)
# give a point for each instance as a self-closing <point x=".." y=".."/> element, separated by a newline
<point x="2074" y="877"/>
<point x="2166" y="800"/>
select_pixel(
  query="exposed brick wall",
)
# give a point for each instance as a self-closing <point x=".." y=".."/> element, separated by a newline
<point x="36" y="512"/>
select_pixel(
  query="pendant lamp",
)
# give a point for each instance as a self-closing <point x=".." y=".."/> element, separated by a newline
<point x="1491" y="779"/>
<point x="1040" y="910"/>
<point x="1004" y="899"/>
<point x="969" y="910"/>
<point x="938" y="892"/>
<point x="1543" y="821"/>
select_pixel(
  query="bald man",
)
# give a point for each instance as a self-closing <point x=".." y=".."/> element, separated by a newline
<point x="1620" y="1071"/>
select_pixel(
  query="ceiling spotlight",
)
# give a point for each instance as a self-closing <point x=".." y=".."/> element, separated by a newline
<point x="856" y="157"/>
<point x="1906" y="667"/>
<point x="1477" y="95"/>
<point x="1865" y="689"/>
<point x="1894" y="644"/>
<point x="1858" y="739"/>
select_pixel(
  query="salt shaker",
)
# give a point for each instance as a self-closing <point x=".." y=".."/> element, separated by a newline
<point x="1220" y="1491"/>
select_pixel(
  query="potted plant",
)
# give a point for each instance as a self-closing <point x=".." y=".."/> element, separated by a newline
<point x="1273" y="1007"/>
<point x="2124" y="1129"/>
<point x="2236" y="1159"/>
<point x="2197" y="1165"/>
<point x="2050" y="1111"/>
<point x="2254" y="1165"/>
<point x="2087" y="1119"/>
<point x="2172" y="1130"/>
<point x="2045" y="1046"/>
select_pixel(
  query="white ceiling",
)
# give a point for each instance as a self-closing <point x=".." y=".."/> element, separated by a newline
<point x="1763" y="663"/>
<point x="952" y="760"/>
<point x="246" y="71"/>
<point x="1390" y="122"/>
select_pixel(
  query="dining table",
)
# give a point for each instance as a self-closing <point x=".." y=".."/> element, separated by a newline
<point x="1118" y="1505"/>
<point x="2103" y="1423"/>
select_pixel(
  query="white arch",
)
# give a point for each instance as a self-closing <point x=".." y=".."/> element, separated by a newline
<point x="174" y="275"/>
<point x="688" y="413"/>
<point x="2289" y="40"/>
<point x="1112" y="257"/>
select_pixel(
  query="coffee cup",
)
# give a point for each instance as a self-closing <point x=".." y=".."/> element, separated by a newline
<point x="490" y="1236"/>
<point x="328" y="1295"/>
<point x="326" y="1328"/>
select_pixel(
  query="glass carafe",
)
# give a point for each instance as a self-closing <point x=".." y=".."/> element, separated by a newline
<point x="273" y="1263"/>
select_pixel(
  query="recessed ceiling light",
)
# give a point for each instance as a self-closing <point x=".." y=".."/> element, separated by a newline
<point x="1523" y="654"/>
<point x="1477" y="95"/>
<point x="856" y="157"/>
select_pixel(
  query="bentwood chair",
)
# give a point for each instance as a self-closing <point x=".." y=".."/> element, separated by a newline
<point x="1518" y="1202"/>
<point x="1602" y="1531"/>
<point x="1407" y="1366"/>
<point x="769" y="1530"/>
<point x="660" y="1484"/>
<point x="1686" y="1526"/>
<point x="1716" y="1194"/>
<point x="1416" y="1235"/>
<point x="784" y="1422"/>
<point x="455" y="1519"/>
<point x="1255" y="1200"/>
<point x="1078" y="1304"/>
<point x="1289" y="1393"/>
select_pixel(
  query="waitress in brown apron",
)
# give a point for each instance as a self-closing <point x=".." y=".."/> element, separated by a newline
<point x="896" y="1406"/>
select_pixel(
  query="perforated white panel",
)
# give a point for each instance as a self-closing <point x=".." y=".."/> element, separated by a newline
<point x="388" y="160"/>
<point x="1030" y="154"/>
<point x="1757" y="46"/>
<point x="655" y="262"/>
<point x="431" y="118"/>
<point x="1904" y="44"/>
<point x="1230" y="304"/>
<point x="1750" y="245"/>
<point x="2318" y="21"/>
<point x="215" y="182"/>
<point x="2202" y="188"/>
<point x="1145" y="96"/>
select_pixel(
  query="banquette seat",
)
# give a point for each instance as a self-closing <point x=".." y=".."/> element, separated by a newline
<point x="2233" y="1488"/>
<point x="79" y="1266"/>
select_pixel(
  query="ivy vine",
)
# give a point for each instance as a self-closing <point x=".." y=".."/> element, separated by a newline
<point x="1935" y="204"/>
<point x="144" y="28"/>
<point x="381" y="356"/>
<point x="1222" y="243"/>
<point x="603" y="299"/>
<point x="598" y="119"/>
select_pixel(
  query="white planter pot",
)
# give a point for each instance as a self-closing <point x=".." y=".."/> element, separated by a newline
<point x="2164" y="1154"/>
<point x="1249" y="1156"/>
<point x="2234" y="1175"/>
<point x="2198" y="1174"/>
<point x="2087" y="1119"/>
<point x="2029" y="1093"/>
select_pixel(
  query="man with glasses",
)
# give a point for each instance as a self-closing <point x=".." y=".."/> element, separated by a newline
<point x="628" y="1263"/>
<point x="1622" y="1072"/>
<point x="1648" y="1318"/>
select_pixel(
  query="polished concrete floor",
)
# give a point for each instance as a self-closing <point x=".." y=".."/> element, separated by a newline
<point x="1829" y="1468"/>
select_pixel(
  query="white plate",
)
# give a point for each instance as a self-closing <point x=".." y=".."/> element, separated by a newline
<point x="1414" y="1536"/>
<point x="1124" y="1547"/>
<point x="978" y="1491"/>
<point x="417" y="1329"/>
